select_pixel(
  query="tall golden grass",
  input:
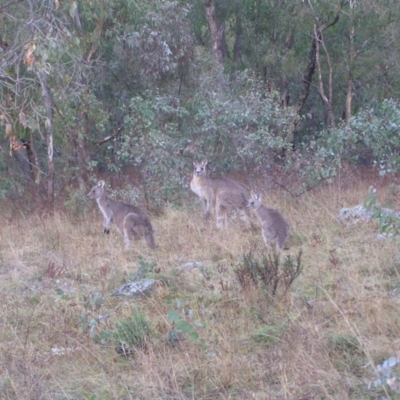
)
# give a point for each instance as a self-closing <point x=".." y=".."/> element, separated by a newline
<point x="320" y="341"/>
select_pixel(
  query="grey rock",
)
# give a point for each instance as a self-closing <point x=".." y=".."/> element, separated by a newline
<point x="136" y="288"/>
<point x="355" y="214"/>
<point x="360" y="213"/>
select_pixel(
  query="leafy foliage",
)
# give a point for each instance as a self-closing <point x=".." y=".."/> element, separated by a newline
<point x="239" y="124"/>
<point x="161" y="132"/>
<point x="163" y="45"/>
<point x="370" y="138"/>
<point x="386" y="375"/>
<point x="388" y="219"/>
<point x="183" y="323"/>
<point x="97" y="326"/>
<point x="133" y="84"/>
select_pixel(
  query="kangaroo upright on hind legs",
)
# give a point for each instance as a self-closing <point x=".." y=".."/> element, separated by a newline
<point x="130" y="220"/>
<point x="224" y="194"/>
<point x="274" y="227"/>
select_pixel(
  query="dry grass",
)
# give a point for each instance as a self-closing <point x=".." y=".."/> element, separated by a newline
<point x="317" y="342"/>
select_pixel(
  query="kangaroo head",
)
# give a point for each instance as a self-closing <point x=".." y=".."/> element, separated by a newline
<point x="200" y="168"/>
<point x="97" y="191"/>
<point x="254" y="202"/>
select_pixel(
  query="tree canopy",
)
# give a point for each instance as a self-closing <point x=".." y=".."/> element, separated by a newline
<point x="105" y="85"/>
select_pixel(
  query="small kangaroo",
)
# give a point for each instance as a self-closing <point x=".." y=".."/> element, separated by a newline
<point x="224" y="194"/>
<point x="274" y="227"/>
<point x="130" y="220"/>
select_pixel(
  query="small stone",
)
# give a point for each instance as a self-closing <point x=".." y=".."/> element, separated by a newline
<point x="136" y="288"/>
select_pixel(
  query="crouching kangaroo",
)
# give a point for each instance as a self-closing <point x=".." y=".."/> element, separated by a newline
<point x="274" y="227"/>
<point x="130" y="220"/>
<point x="224" y="194"/>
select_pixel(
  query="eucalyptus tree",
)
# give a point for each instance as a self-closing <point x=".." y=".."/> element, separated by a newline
<point x="323" y="56"/>
<point x="216" y="25"/>
<point x="368" y="39"/>
<point x="44" y="69"/>
<point x="149" y="69"/>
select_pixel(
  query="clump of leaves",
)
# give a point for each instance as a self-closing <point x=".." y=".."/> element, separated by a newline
<point x="94" y="301"/>
<point x="131" y="333"/>
<point x="386" y="375"/>
<point x="388" y="219"/>
<point x="183" y="323"/>
<point x="145" y="268"/>
<point x="99" y="326"/>
<point x="369" y="138"/>
<point x="269" y="271"/>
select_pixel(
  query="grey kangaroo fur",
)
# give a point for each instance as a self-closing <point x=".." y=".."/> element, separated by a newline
<point x="224" y="194"/>
<point x="130" y="220"/>
<point x="274" y="227"/>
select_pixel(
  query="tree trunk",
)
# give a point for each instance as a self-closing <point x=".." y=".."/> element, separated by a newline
<point x="49" y="139"/>
<point x="307" y="77"/>
<point x="79" y="143"/>
<point x="35" y="184"/>
<point x="285" y="95"/>
<point x="310" y="69"/>
<point x="326" y="99"/>
<point x="349" y="94"/>
<point x="33" y="159"/>
<point x="217" y="32"/>
<point x="237" y="48"/>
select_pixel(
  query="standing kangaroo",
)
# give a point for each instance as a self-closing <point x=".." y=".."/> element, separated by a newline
<point x="131" y="221"/>
<point x="274" y="227"/>
<point x="224" y="194"/>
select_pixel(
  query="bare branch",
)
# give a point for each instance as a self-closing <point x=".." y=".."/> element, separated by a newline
<point x="310" y="69"/>
<point x="108" y="138"/>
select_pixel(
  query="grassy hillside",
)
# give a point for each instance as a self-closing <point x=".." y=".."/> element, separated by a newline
<point x="63" y="337"/>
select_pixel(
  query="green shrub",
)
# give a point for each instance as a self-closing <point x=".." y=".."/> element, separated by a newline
<point x="388" y="219"/>
<point x="131" y="333"/>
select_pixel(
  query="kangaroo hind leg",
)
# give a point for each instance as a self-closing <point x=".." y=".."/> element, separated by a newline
<point x="149" y="238"/>
<point x="222" y="216"/>
<point x="270" y="236"/>
<point x="131" y="223"/>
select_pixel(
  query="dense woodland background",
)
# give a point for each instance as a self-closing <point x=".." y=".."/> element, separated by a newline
<point x="269" y="88"/>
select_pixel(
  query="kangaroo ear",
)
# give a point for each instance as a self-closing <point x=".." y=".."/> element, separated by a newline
<point x="252" y="194"/>
<point x="258" y="196"/>
<point x="204" y="163"/>
<point x="194" y="163"/>
<point x="101" y="184"/>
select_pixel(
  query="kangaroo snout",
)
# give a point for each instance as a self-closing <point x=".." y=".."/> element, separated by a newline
<point x="96" y="191"/>
<point x="199" y="171"/>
